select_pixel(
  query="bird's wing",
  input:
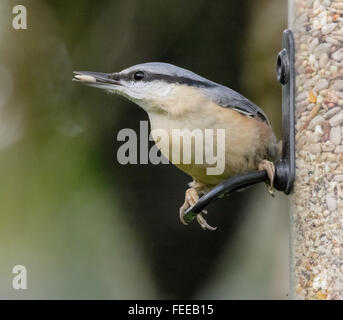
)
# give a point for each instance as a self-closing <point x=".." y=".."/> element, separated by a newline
<point x="226" y="97"/>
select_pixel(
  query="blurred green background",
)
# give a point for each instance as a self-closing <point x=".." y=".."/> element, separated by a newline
<point x="85" y="226"/>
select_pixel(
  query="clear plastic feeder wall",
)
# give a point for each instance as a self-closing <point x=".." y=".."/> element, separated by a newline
<point x="317" y="201"/>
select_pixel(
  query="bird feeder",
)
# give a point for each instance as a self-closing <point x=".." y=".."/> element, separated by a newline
<point x="317" y="201"/>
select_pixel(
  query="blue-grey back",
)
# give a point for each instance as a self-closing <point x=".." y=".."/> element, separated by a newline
<point x="221" y="95"/>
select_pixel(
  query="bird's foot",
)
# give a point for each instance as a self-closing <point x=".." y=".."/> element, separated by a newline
<point x="191" y="198"/>
<point x="203" y="223"/>
<point x="270" y="168"/>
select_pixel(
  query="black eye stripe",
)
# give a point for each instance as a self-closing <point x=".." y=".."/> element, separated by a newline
<point x="115" y="76"/>
<point x="164" y="77"/>
<point x="180" y="80"/>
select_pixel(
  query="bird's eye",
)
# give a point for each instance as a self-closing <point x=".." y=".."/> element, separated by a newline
<point x="139" y="75"/>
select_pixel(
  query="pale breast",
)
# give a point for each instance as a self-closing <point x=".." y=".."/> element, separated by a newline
<point x="246" y="139"/>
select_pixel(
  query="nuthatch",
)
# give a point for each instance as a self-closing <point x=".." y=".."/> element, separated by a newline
<point x="175" y="98"/>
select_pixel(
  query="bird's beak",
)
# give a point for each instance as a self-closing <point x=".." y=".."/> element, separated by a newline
<point x="108" y="81"/>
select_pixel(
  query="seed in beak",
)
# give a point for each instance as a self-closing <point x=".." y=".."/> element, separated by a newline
<point x="85" y="78"/>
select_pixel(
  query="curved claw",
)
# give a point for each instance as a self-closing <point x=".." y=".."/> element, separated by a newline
<point x="182" y="215"/>
<point x="203" y="223"/>
<point x="191" y="199"/>
<point x="270" y="168"/>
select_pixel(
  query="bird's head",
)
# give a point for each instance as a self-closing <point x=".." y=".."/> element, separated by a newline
<point x="154" y="86"/>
